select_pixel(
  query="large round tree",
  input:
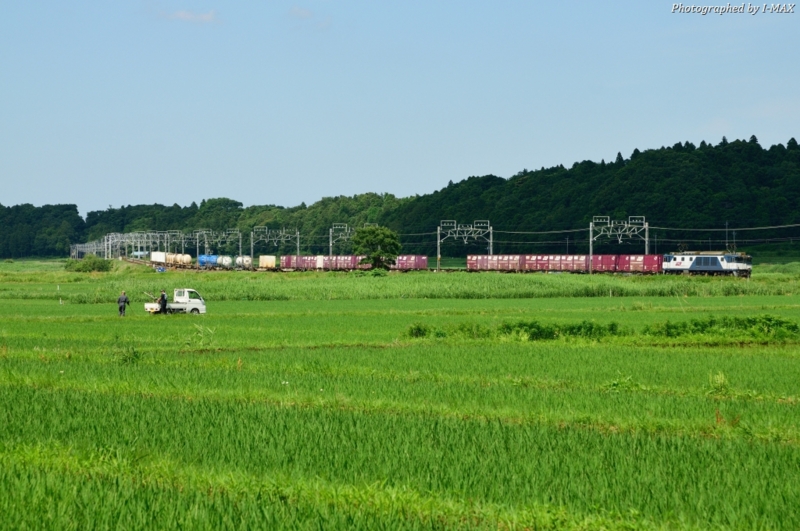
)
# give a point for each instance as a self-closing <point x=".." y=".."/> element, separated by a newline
<point x="380" y="246"/>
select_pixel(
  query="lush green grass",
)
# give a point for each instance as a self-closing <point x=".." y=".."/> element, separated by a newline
<point x="314" y="413"/>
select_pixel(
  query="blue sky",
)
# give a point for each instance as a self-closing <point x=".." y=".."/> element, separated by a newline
<point x="272" y="102"/>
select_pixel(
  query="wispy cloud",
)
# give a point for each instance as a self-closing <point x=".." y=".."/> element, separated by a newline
<point x="191" y="16"/>
<point x="325" y="24"/>
<point x="308" y="19"/>
<point x="301" y="13"/>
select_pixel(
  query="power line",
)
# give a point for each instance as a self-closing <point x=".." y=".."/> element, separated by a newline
<point x="541" y="232"/>
<point x="729" y="229"/>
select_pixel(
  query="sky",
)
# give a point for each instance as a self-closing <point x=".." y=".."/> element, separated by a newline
<point x="104" y="104"/>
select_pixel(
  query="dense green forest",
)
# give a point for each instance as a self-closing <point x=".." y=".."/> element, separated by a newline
<point x="684" y="186"/>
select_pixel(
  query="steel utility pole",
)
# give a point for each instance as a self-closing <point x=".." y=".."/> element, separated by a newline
<point x="726" y="235"/>
<point x="448" y="228"/>
<point x="591" y="245"/>
<point x="619" y="229"/>
<point x="339" y="231"/>
<point x="438" y="248"/>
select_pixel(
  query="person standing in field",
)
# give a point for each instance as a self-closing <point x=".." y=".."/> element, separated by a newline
<point x="122" y="302"/>
<point x="162" y="302"/>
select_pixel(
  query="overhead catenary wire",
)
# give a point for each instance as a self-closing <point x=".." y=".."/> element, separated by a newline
<point x="541" y="232"/>
<point x="730" y="229"/>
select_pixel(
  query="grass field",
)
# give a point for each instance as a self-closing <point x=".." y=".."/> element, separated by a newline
<point x="419" y="401"/>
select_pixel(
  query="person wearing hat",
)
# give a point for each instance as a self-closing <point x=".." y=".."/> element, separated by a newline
<point x="121" y="302"/>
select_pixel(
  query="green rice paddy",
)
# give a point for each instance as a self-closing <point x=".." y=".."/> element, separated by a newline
<point x="411" y="401"/>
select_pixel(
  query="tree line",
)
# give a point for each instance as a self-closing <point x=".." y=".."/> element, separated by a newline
<point x="688" y="186"/>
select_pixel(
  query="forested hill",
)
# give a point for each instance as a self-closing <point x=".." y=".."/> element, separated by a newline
<point x="680" y="186"/>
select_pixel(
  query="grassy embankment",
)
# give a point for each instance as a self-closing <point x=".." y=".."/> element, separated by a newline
<point x="635" y="411"/>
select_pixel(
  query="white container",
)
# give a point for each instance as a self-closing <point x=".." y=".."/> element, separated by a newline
<point x="320" y="261"/>
<point x="225" y="261"/>
<point x="244" y="261"/>
<point x="267" y="262"/>
<point x="158" y="257"/>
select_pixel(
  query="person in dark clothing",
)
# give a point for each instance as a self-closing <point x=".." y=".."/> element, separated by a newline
<point x="162" y="302"/>
<point x="122" y="302"/>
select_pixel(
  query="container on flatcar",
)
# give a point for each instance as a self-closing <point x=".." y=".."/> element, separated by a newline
<point x="554" y="262"/>
<point x="244" y="261"/>
<point x="308" y="262"/>
<point x="266" y="262"/>
<point x="653" y="263"/>
<point x="207" y="260"/>
<point x="158" y="257"/>
<point x="580" y="263"/>
<point x="510" y="262"/>
<point x="604" y="262"/>
<point x="408" y="262"/>
<point x="626" y="263"/>
<point x="477" y="262"/>
<point x="346" y="262"/>
<point x="538" y="262"/>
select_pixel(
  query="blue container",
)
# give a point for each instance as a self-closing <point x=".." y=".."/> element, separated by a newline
<point x="207" y="260"/>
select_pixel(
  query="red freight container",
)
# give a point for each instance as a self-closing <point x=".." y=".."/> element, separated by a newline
<point x="506" y="262"/>
<point x="538" y="262"/>
<point x="292" y="261"/>
<point x="631" y="263"/>
<point x="529" y="262"/>
<point x="359" y="265"/>
<point x="553" y="262"/>
<point x="406" y="262"/>
<point x="653" y="263"/>
<point x="346" y="262"/>
<point x="477" y="262"/>
<point x="604" y="262"/>
<point x="580" y="262"/>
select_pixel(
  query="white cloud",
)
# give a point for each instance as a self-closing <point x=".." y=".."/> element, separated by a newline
<point x="197" y="18"/>
<point x="301" y="13"/>
<point x="325" y="24"/>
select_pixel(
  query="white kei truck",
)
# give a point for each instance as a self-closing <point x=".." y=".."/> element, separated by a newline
<point x="184" y="300"/>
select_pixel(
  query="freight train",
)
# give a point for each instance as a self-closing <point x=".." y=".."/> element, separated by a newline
<point x="693" y="263"/>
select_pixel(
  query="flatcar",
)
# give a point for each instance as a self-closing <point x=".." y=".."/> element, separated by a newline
<point x="708" y="263"/>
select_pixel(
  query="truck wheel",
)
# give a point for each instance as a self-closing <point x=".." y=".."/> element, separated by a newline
<point x="195" y="311"/>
